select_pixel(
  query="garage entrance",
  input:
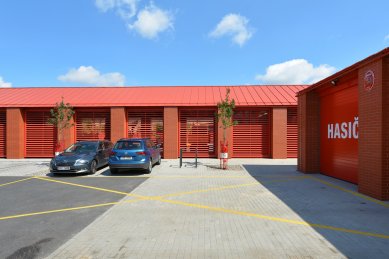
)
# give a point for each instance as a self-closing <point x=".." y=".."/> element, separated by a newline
<point x="145" y="124"/>
<point x="40" y="136"/>
<point x="93" y="124"/>
<point x="339" y="131"/>
<point x="197" y="131"/>
<point x="251" y="136"/>
<point x="292" y="133"/>
<point x="2" y="133"/>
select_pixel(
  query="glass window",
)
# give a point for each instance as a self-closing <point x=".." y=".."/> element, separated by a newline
<point x="128" y="145"/>
<point x="82" y="147"/>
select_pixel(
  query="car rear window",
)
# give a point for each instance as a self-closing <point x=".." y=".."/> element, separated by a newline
<point x="128" y="145"/>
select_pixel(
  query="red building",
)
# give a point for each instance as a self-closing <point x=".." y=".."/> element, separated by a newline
<point x="177" y="117"/>
<point x="344" y="126"/>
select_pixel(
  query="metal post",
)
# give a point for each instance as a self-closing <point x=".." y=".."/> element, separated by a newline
<point x="180" y="157"/>
<point x="196" y="158"/>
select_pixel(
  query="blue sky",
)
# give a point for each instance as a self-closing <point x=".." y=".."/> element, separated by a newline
<point x="165" y="42"/>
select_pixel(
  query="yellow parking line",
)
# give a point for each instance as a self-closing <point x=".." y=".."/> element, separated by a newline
<point x="209" y="189"/>
<point x="4" y="184"/>
<point x="92" y="187"/>
<point x="360" y="195"/>
<point x="68" y="209"/>
<point x="169" y="176"/>
<point x="276" y="219"/>
<point x="56" y="211"/>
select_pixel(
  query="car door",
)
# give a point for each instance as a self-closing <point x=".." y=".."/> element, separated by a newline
<point x="100" y="154"/>
<point x="151" y="149"/>
<point x="107" y="151"/>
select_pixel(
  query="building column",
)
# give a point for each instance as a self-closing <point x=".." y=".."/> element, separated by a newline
<point x="118" y="123"/>
<point x="279" y="133"/>
<point x="170" y="129"/>
<point x="15" y="133"/>
<point x="308" y="114"/>
<point x="373" y="139"/>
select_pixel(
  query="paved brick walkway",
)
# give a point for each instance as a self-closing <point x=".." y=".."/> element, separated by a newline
<point x="268" y="211"/>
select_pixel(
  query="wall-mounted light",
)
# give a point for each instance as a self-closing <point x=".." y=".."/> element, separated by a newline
<point x="334" y="82"/>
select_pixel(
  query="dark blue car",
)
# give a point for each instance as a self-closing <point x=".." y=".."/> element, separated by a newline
<point x="82" y="157"/>
<point x="134" y="153"/>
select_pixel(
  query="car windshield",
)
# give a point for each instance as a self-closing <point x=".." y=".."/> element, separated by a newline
<point x="82" y="148"/>
<point x="128" y="145"/>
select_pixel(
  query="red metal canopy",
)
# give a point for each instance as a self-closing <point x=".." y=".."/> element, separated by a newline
<point x="251" y="95"/>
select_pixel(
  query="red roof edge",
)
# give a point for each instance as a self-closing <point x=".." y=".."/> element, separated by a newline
<point x="346" y="70"/>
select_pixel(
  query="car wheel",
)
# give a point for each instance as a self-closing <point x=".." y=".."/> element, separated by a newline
<point x="93" y="167"/>
<point x="113" y="171"/>
<point x="150" y="168"/>
<point x="159" y="160"/>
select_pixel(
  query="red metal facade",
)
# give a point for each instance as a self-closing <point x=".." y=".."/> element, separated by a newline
<point x="40" y="136"/>
<point x="251" y="136"/>
<point x="338" y="140"/>
<point x="145" y="124"/>
<point x="292" y="133"/>
<point x="2" y="133"/>
<point x="93" y="124"/>
<point x="197" y="131"/>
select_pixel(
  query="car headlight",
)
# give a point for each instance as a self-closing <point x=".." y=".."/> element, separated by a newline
<point x="52" y="163"/>
<point x="81" y="162"/>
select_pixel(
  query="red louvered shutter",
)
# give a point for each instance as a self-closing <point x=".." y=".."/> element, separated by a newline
<point x="251" y="136"/>
<point x="146" y="124"/>
<point x="93" y="125"/>
<point x="40" y="136"/>
<point x="2" y="133"/>
<point x="197" y="131"/>
<point x="292" y="133"/>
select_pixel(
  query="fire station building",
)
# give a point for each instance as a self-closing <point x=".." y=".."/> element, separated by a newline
<point x="176" y="117"/>
<point x="344" y="126"/>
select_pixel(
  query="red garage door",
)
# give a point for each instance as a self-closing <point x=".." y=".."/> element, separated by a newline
<point x="146" y="124"/>
<point x="251" y="136"/>
<point x="40" y="136"/>
<point x="292" y="133"/>
<point x="2" y="133"/>
<point x="197" y="131"/>
<point x="93" y="124"/>
<point x="339" y="131"/>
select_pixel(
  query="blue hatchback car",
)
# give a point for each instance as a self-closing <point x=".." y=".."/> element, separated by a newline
<point x="134" y="153"/>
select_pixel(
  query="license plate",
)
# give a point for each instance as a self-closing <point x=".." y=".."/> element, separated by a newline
<point x="126" y="158"/>
<point x="63" y="168"/>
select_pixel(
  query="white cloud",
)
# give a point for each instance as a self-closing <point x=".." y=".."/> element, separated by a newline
<point x="151" y="21"/>
<point x="296" y="71"/>
<point x="4" y="84"/>
<point x="126" y="9"/>
<point x="233" y="25"/>
<point x="148" y="22"/>
<point x="386" y="38"/>
<point x="89" y="75"/>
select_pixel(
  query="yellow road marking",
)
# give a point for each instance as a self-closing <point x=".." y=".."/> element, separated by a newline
<point x="4" y="184"/>
<point x="350" y="191"/>
<point x="217" y="209"/>
<point x="276" y="219"/>
<point x="56" y="211"/>
<point x="209" y="189"/>
<point x="92" y="187"/>
<point x="68" y="209"/>
<point x="170" y="176"/>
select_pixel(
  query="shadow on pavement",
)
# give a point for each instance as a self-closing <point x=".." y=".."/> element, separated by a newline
<point x="315" y="202"/>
